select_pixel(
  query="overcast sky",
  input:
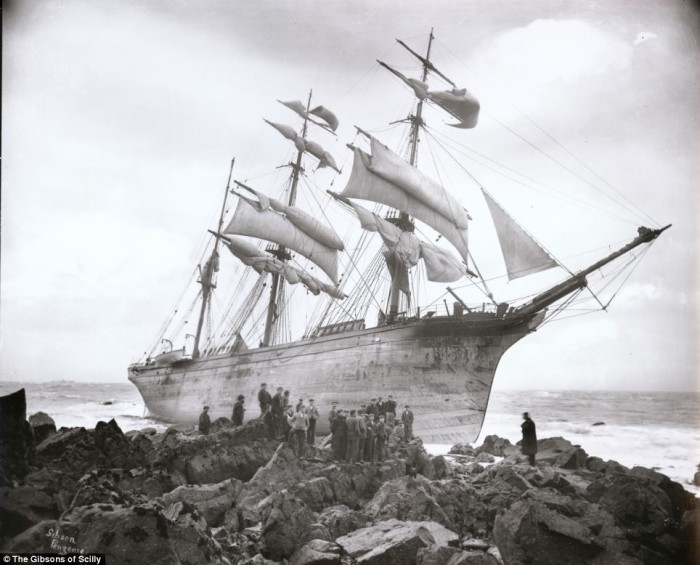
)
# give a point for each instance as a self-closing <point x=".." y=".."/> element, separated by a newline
<point x="120" y="119"/>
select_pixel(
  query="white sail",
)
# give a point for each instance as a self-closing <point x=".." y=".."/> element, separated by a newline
<point x="250" y="255"/>
<point x="325" y="159"/>
<point x="364" y="183"/>
<point x="522" y="254"/>
<point x="251" y="220"/>
<point x="440" y="264"/>
<point x="326" y="115"/>
<point x="457" y="101"/>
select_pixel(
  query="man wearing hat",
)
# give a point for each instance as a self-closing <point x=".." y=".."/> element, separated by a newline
<point x="312" y="415"/>
<point x="204" y="421"/>
<point x="238" y="411"/>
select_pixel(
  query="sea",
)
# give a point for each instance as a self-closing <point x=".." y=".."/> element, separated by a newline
<point x="657" y="430"/>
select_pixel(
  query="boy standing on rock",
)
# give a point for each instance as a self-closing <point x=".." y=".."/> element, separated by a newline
<point x="238" y="411"/>
<point x="407" y="420"/>
<point x="529" y="445"/>
<point x="390" y="411"/>
<point x="312" y="415"/>
<point x="264" y="399"/>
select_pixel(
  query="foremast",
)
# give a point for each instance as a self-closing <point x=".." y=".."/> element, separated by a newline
<point x="280" y="252"/>
<point x="206" y="278"/>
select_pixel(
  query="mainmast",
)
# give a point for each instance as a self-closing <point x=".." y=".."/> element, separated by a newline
<point x="404" y="221"/>
<point x="281" y="252"/>
<point x="210" y="267"/>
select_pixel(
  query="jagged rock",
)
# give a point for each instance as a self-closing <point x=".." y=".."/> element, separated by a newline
<point x="416" y="458"/>
<point x="474" y="558"/>
<point x="16" y="438"/>
<point x="548" y="528"/>
<point x="317" y="552"/>
<point x="484" y="457"/>
<point x="494" y="445"/>
<point x="386" y="543"/>
<point x="559" y="452"/>
<point x="341" y="520"/>
<point x="212" y="501"/>
<point x="442" y="467"/>
<point x="407" y="499"/>
<point x="43" y="426"/>
<point x="597" y="465"/>
<point x="24" y="506"/>
<point x="286" y="526"/>
<point x="148" y="533"/>
<point x="436" y="554"/>
<point x="461" y="449"/>
<point x="37" y="539"/>
<point x="316" y="493"/>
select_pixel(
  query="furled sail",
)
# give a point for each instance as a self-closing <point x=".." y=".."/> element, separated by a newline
<point x="457" y="101"/>
<point x="522" y="254"/>
<point x="250" y="255"/>
<point x="325" y="159"/>
<point x="320" y="111"/>
<point x="386" y="179"/>
<point x="252" y="220"/>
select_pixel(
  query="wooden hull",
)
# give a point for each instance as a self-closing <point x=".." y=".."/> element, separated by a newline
<point x="442" y="367"/>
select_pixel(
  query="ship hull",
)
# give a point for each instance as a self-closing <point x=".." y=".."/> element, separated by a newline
<point x="443" y="368"/>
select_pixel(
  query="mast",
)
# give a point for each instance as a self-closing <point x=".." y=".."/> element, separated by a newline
<point x="281" y="252"/>
<point x="210" y="267"/>
<point x="416" y="123"/>
<point x="578" y="280"/>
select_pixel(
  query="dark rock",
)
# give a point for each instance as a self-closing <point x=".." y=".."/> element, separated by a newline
<point x="549" y="528"/>
<point x="43" y="426"/>
<point x="599" y="424"/>
<point x="485" y="458"/>
<point x="37" y="539"/>
<point x="24" y="506"/>
<point x="494" y="445"/>
<point x="407" y="499"/>
<point x="696" y="479"/>
<point x="149" y="533"/>
<point x="286" y="526"/>
<point x="441" y="466"/>
<point x="461" y="449"/>
<point x="436" y="554"/>
<point x="474" y="558"/>
<point x="386" y="543"/>
<point x="561" y="453"/>
<point x="416" y="458"/>
<point x="16" y="438"/>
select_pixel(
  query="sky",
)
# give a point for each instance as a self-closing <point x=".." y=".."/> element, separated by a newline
<point x="120" y="119"/>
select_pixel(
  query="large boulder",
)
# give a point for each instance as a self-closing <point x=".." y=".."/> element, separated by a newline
<point x="387" y="543"/>
<point x="24" y="506"/>
<point x="286" y="526"/>
<point x="42" y="425"/>
<point x="150" y="533"/>
<point x="212" y="501"/>
<point x="407" y="499"/>
<point x="317" y="552"/>
<point x="549" y="528"/>
<point x="340" y="520"/>
<point x="559" y="452"/>
<point x="494" y="445"/>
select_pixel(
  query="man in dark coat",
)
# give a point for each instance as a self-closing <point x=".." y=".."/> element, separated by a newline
<point x="353" y="435"/>
<point x="362" y="435"/>
<point x="380" y="432"/>
<point x="204" y="421"/>
<point x="238" y="411"/>
<point x="312" y="415"/>
<point x="369" y="438"/>
<point x="529" y="444"/>
<point x="339" y="441"/>
<point x="390" y="406"/>
<point x="264" y="399"/>
<point x="277" y="409"/>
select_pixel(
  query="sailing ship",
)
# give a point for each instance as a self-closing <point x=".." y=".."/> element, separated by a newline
<point x="367" y="336"/>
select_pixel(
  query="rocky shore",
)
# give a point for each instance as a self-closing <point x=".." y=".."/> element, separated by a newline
<point x="235" y="496"/>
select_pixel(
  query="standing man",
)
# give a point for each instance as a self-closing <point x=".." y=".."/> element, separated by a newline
<point x="353" y="435"/>
<point x="299" y="423"/>
<point x="372" y="409"/>
<point x="407" y="420"/>
<point x="204" y="421"/>
<point x="300" y="405"/>
<point x="238" y="411"/>
<point x="277" y="409"/>
<point x="369" y="438"/>
<point x="362" y="435"/>
<point x="390" y="411"/>
<point x="312" y="415"/>
<point x="381" y="407"/>
<point x="380" y="432"/>
<point x="332" y="417"/>
<point x="529" y="445"/>
<point x="264" y="399"/>
<point x="339" y="440"/>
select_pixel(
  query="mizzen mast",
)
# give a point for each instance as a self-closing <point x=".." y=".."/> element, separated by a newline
<point x="206" y="278"/>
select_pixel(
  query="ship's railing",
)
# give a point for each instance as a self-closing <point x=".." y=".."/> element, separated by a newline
<point x="341" y="327"/>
